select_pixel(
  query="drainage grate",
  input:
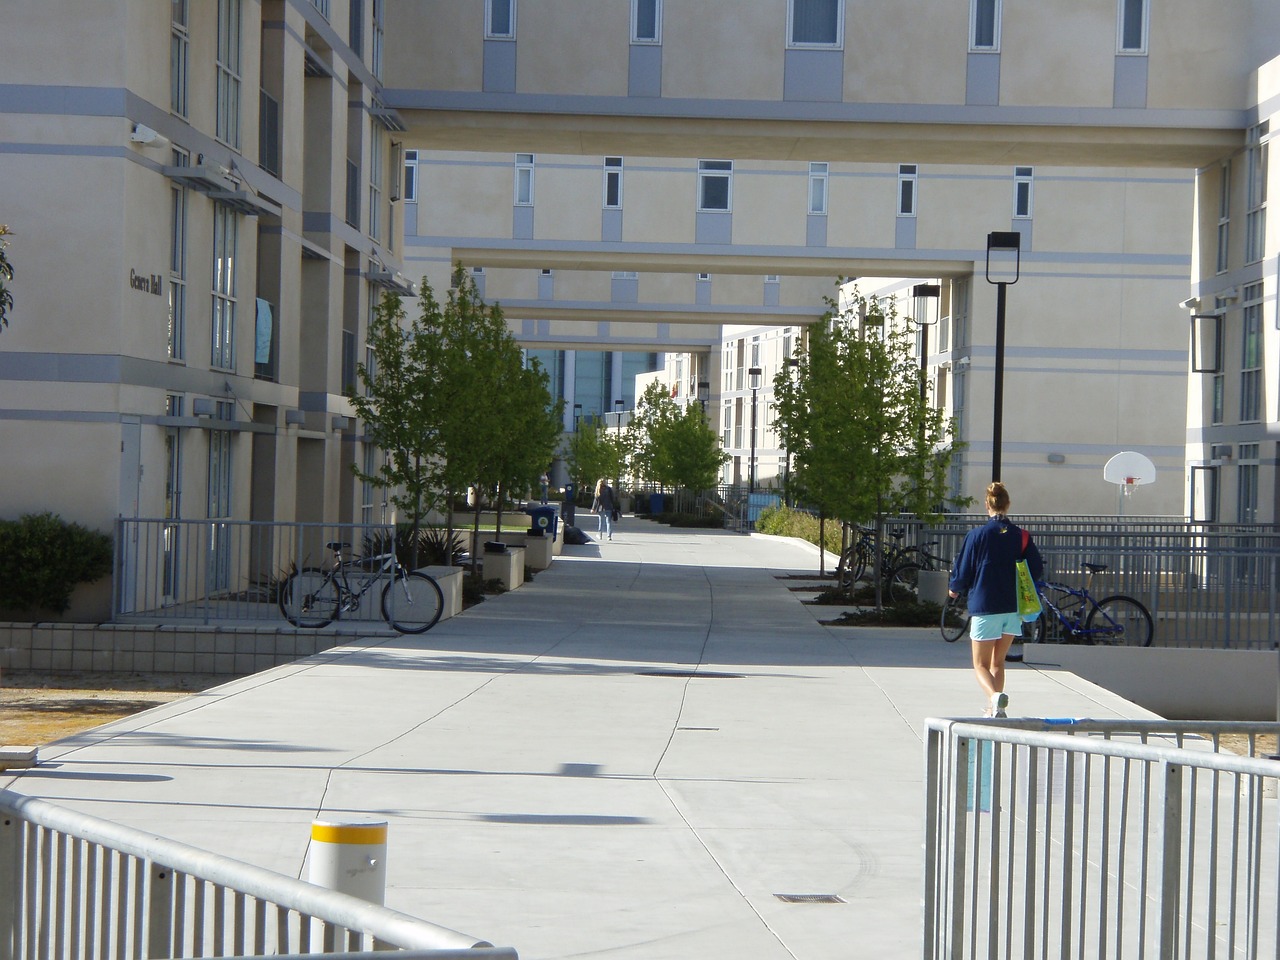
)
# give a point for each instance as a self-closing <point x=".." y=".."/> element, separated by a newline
<point x="809" y="898"/>
<point x="691" y="674"/>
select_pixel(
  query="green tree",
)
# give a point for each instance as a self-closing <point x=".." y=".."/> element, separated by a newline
<point x="864" y="439"/>
<point x="594" y="451"/>
<point x="675" y="447"/>
<point x="6" y="275"/>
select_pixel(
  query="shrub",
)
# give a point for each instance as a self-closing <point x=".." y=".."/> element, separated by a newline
<point x="901" y="615"/>
<point x="782" y="521"/>
<point x="42" y="558"/>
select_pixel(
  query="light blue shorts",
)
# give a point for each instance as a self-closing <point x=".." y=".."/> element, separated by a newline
<point x="992" y="626"/>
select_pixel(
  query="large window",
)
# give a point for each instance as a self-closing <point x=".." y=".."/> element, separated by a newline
<point x="524" y="180"/>
<point x="1022" y="192"/>
<point x="815" y="23"/>
<point x="907" y="189"/>
<point x="500" y="19"/>
<point x="613" y="183"/>
<point x="1251" y="355"/>
<point x="375" y="184"/>
<point x="228" y="106"/>
<point x="179" y="53"/>
<point x="1224" y="215"/>
<point x="1132" y="30"/>
<point x="984" y="25"/>
<point x="715" y="179"/>
<point x="1247" y="491"/>
<point x="411" y="175"/>
<point x="646" y="21"/>
<point x="818" y="174"/>
<point x="375" y="52"/>
<point x="1256" y="217"/>
<point x="225" y="229"/>
<point x="178" y="264"/>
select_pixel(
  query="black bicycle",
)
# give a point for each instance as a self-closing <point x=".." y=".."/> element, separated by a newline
<point x="412" y="602"/>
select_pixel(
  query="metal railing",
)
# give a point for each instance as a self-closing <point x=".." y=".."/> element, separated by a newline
<point x="1100" y="839"/>
<point x="76" y="886"/>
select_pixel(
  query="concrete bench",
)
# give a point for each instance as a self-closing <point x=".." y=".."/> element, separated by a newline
<point x="450" y="580"/>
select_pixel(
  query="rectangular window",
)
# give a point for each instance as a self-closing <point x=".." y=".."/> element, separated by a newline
<point x="411" y="175"/>
<point x="375" y="52"/>
<point x="1251" y="355"/>
<point x="322" y="6"/>
<point x="268" y="133"/>
<point x="375" y="184"/>
<point x="225" y="227"/>
<point x="815" y="23"/>
<point x="907" y="190"/>
<point x="613" y="183"/>
<point x="1247" y="491"/>
<point x="524" y="179"/>
<point x="1217" y="409"/>
<point x="1022" y="192"/>
<point x="984" y="25"/>
<point x="179" y="54"/>
<point x="178" y="264"/>
<point x="715" y="185"/>
<point x="1204" y="494"/>
<point x="1256" y="217"/>
<point x="355" y="21"/>
<point x="219" y="499"/>
<point x="1224" y="216"/>
<point x="500" y="19"/>
<point x="646" y="21"/>
<point x="818" y="173"/>
<point x="228" y="105"/>
<point x="1132" y="31"/>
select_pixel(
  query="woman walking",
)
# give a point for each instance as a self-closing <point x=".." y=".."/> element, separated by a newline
<point x="603" y="505"/>
<point x="986" y="568"/>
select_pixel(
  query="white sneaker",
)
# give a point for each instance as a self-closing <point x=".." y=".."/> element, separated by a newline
<point x="998" y="703"/>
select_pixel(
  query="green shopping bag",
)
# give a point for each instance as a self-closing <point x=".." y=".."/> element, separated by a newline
<point x="1028" y="600"/>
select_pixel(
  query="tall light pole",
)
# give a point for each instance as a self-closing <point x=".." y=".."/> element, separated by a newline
<point x="923" y="293"/>
<point x="753" y="380"/>
<point x="1005" y="244"/>
<point x="704" y="394"/>
<point x="617" y="409"/>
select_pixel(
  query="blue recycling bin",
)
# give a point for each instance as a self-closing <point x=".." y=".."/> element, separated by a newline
<point x="656" y="502"/>
<point x="542" y="520"/>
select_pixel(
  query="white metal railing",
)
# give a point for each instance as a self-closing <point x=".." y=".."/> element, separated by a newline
<point x="1098" y="838"/>
<point x="75" y="886"/>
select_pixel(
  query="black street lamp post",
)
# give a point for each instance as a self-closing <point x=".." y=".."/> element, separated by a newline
<point x="1006" y="244"/>
<point x="753" y="375"/>
<point x="924" y="292"/>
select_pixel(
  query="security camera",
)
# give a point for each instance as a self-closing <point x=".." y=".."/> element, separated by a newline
<point x="1191" y="303"/>
<point x="144" y="135"/>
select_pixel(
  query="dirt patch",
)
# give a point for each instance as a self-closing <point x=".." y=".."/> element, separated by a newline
<point x="1264" y="745"/>
<point x="38" y="708"/>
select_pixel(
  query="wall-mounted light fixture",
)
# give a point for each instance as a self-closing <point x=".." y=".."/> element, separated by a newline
<point x="1057" y="458"/>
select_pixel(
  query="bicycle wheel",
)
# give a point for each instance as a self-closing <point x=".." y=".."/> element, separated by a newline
<point x="955" y="618"/>
<point x="904" y="583"/>
<point x="412" y="602"/>
<point x="309" y="598"/>
<point x="1119" y="621"/>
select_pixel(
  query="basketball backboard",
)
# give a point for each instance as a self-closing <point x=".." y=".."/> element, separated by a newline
<point x="1129" y="469"/>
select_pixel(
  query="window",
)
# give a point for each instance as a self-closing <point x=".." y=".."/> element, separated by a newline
<point x="1247" y="490"/>
<point x="984" y="25"/>
<point x="500" y="19"/>
<point x="268" y="133"/>
<point x="375" y="184"/>
<point x="375" y="53"/>
<point x="411" y="175"/>
<point x="172" y="498"/>
<point x="626" y="275"/>
<point x="322" y="6"/>
<point x="714" y="184"/>
<point x="1218" y="399"/>
<point x="228" y="107"/>
<point x="613" y="183"/>
<point x="218" y="501"/>
<point x="818" y="173"/>
<point x="355" y="22"/>
<point x="1224" y="215"/>
<point x="1256" y="217"/>
<point x="178" y="264"/>
<point x="646" y="21"/>
<point x="1132" y="31"/>
<point x="369" y="468"/>
<point x="1022" y="192"/>
<point x="1251" y="355"/>
<point x="907" y="190"/>
<point x="222" y="353"/>
<point x="179" y="52"/>
<point x="1204" y="494"/>
<point x="524" y="179"/>
<point x="815" y="23"/>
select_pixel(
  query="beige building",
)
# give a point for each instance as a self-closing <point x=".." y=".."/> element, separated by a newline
<point x="208" y="197"/>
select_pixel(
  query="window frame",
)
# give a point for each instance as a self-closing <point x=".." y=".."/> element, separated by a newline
<point x="656" y="39"/>
<point x="376" y="160"/>
<point x="819" y="178"/>
<point x="410" y="179"/>
<point x="794" y="44"/>
<point x="179" y="57"/>
<point x="707" y="173"/>
<point x="179" y="242"/>
<point x="524" y="177"/>
<point x="1224" y="218"/>
<point x="1144" y="28"/>
<point x="1023" y="187"/>
<point x="612" y="171"/>
<point x="997" y="14"/>
<point x="1258" y="157"/>
<point x="908" y="186"/>
<point x="1251" y="355"/>
<point x="227" y="65"/>
<point x="489" y="32"/>
<point x="222" y="327"/>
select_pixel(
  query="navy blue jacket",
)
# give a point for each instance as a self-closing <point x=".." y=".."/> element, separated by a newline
<point x="985" y="566"/>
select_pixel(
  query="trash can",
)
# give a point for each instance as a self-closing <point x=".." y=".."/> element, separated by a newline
<point x="657" y="502"/>
<point x="542" y="521"/>
<point x="567" y="508"/>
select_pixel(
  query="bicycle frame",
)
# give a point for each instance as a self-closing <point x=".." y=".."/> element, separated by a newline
<point x="349" y="598"/>
<point x="1074" y="621"/>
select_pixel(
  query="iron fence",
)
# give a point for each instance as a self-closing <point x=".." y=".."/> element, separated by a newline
<point x="76" y="886"/>
<point x="1100" y="839"/>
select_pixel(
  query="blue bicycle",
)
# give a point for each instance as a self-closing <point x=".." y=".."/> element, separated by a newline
<point x="1115" y="621"/>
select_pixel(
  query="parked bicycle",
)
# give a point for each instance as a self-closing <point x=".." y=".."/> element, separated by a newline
<point x="411" y="601"/>
<point x="900" y="564"/>
<point x="1116" y="620"/>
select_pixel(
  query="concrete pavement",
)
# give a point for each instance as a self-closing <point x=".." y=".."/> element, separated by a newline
<point x="632" y="756"/>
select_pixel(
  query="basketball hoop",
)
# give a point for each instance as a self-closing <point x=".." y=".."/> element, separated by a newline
<point x="1128" y="470"/>
<point x="1129" y="484"/>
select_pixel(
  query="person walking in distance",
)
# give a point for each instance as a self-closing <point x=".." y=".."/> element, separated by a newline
<point x="986" y="568"/>
<point x="603" y="506"/>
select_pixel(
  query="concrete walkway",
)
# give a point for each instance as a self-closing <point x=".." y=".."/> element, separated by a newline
<point x="557" y="781"/>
